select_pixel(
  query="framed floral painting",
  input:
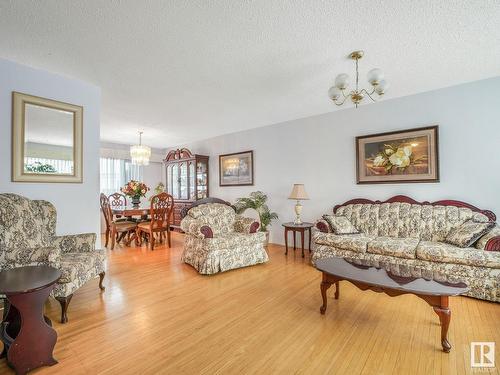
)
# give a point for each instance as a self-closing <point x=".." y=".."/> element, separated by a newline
<point x="236" y="169"/>
<point x="398" y="157"/>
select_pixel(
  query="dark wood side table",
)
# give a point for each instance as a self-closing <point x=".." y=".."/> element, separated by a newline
<point x="294" y="228"/>
<point x="27" y="334"/>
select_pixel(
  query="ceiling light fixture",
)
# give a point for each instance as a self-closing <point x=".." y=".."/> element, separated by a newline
<point x="337" y="93"/>
<point x="140" y="154"/>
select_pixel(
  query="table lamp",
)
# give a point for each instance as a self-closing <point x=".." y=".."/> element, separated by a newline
<point x="298" y="193"/>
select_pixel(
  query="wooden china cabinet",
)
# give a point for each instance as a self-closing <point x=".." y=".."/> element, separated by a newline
<point x="186" y="179"/>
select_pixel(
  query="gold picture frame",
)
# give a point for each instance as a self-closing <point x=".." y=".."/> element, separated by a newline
<point x="52" y="122"/>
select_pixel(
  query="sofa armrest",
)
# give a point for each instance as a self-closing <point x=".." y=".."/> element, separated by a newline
<point x="196" y="228"/>
<point x="75" y="243"/>
<point x="246" y="225"/>
<point x="323" y="226"/>
<point x="493" y="244"/>
<point x="490" y="241"/>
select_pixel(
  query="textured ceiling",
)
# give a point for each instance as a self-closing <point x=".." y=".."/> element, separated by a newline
<point x="187" y="70"/>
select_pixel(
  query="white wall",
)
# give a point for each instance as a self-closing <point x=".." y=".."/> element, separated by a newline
<point x="319" y="151"/>
<point x="72" y="201"/>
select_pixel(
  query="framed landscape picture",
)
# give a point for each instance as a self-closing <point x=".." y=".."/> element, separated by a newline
<point x="236" y="169"/>
<point x="398" y="157"/>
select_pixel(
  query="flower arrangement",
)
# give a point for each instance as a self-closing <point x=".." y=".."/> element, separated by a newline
<point x="396" y="157"/>
<point x="135" y="189"/>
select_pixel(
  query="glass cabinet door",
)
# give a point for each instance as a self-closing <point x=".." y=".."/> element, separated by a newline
<point x="202" y="179"/>
<point x="175" y="181"/>
<point x="183" y="181"/>
<point x="192" y="184"/>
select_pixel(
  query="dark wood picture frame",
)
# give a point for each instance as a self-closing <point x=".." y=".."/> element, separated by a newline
<point x="432" y="162"/>
<point x="236" y="154"/>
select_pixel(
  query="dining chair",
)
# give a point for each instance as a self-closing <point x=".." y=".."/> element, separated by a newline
<point x="119" y="200"/>
<point x="162" y="207"/>
<point x="114" y="227"/>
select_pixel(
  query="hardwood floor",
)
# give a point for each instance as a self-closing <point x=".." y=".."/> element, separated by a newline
<point x="158" y="316"/>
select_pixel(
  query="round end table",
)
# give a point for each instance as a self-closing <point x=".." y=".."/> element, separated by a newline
<point x="294" y="228"/>
<point x="27" y="334"/>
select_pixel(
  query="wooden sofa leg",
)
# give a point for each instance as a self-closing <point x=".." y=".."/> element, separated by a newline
<point x="101" y="278"/>
<point x="64" y="301"/>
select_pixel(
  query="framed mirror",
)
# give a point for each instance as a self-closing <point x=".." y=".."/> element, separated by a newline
<point x="46" y="140"/>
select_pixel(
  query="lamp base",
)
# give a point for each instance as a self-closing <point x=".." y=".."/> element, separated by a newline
<point x="298" y="211"/>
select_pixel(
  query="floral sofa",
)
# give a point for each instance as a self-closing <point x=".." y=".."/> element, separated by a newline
<point x="401" y="231"/>
<point x="218" y="240"/>
<point x="27" y="238"/>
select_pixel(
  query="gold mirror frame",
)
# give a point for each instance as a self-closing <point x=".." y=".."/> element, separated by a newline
<point x="19" y="101"/>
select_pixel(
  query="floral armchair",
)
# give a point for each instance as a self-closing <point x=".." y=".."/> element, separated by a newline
<point x="218" y="240"/>
<point x="27" y="238"/>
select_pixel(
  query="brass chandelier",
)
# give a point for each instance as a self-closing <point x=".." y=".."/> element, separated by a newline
<point x="338" y="93"/>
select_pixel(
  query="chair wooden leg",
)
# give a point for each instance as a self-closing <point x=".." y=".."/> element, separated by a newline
<point x="107" y="237"/>
<point x="169" y="241"/>
<point x="121" y="236"/>
<point x="101" y="278"/>
<point x="64" y="301"/>
<point x="151" y="241"/>
<point x="113" y="237"/>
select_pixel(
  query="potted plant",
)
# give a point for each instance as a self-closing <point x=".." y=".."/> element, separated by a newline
<point x="257" y="201"/>
<point x="135" y="190"/>
<point x="160" y="188"/>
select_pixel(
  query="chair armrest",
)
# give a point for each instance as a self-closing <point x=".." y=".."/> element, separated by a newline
<point x="75" y="243"/>
<point x="323" y="226"/>
<point x="40" y="256"/>
<point x="196" y="228"/>
<point x="490" y="241"/>
<point x="246" y="225"/>
<point x="493" y="244"/>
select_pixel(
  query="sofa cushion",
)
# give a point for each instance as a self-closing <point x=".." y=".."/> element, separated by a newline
<point x="424" y="221"/>
<point x="445" y="253"/>
<point x="219" y="217"/>
<point x="77" y="266"/>
<point x="353" y="242"/>
<point x="396" y="247"/>
<point x="468" y="233"/>
<point x="234" y="240"/>
<point x="340" y="224"/>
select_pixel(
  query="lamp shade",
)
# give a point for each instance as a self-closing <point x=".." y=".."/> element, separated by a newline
<point x="298" y="192"/>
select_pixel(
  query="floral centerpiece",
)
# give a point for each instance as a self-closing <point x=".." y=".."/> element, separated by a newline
<point x="135" y="190"/>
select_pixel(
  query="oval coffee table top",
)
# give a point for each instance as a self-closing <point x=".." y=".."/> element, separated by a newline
<point x="27" y="279"/>
<point x="389" y="275"/>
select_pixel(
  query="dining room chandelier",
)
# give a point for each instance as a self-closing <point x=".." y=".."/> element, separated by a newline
<point x="140" y="153"/>
<point x="339" y="94"/>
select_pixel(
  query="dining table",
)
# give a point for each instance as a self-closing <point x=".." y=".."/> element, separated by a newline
<point x="129" y="211"/>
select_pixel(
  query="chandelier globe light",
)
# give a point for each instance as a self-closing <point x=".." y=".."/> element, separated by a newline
<point x="140" y="153"/>
<point x="339" y="93"/>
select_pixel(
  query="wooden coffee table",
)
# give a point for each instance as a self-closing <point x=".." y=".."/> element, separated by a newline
<point x="27" y="334"/>
<point x="388" y="280"/>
